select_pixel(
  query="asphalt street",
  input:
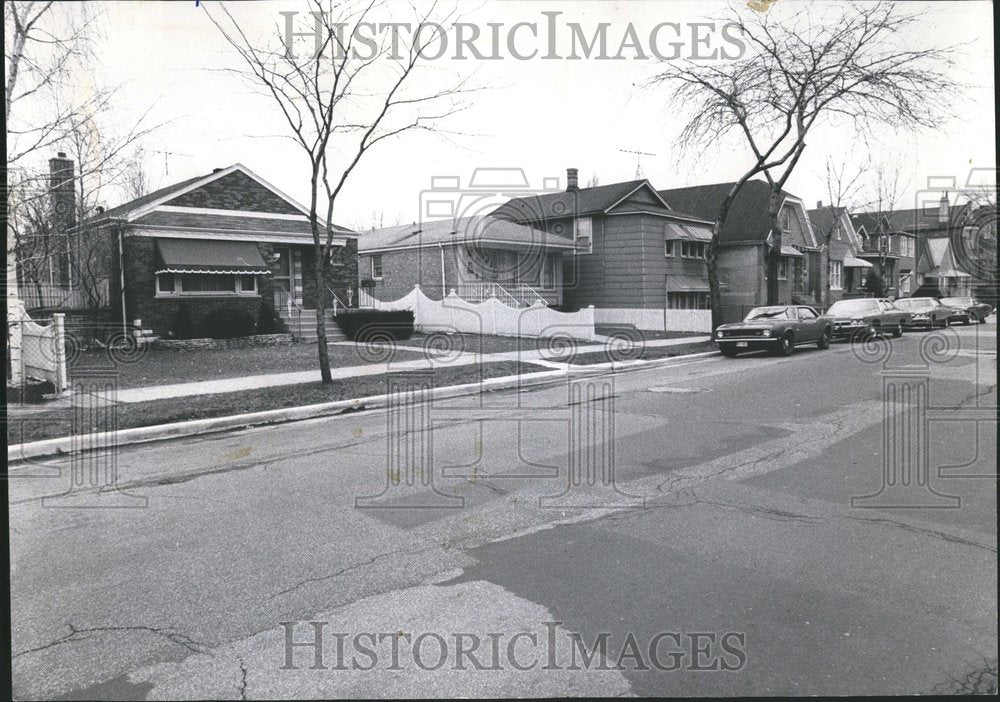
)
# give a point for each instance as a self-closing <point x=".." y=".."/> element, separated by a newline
<point x="818" y="524"/>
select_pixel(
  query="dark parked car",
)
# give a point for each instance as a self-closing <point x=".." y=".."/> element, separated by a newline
<point x="866" y="317"/>
<point x="974" y="309"/>
<point x="779" y="328"/>
<point x="926" y="311"/>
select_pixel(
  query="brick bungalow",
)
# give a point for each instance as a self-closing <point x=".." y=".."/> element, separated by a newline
<point x="636" y="257"/>
<point x="740" y="257"/>
<point x="475" y="256"/>
<point x="228" y="239"/>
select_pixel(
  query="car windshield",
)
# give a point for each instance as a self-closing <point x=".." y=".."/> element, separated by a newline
<point x="851" y="307"/>
<point x="961" y="301"/>
<point x="912" y="304"/>
<point x="767" y="313"/>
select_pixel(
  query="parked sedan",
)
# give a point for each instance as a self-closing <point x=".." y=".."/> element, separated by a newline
<point x="778" y="328"/>
<point x="867" y="317"/>
<point x="972" y="308"/>
<point x="926" y="311"/>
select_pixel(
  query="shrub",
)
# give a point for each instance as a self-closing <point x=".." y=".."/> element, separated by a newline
<point x="183" y="324"/>
<point x="227" y="323"/>
<point x="363" y="325"/>
<point x="267" y="323"/>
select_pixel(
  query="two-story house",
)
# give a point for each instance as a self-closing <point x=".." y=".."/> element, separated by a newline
<point x="845" y="271"/>
<point x="637" y="259"/>
<point x="744" y="244"/>
<point x="890" y="245"/>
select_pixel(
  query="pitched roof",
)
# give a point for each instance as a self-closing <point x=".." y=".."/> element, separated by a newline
<point x="824" y="218"/>
<point x="747" y="220"/>
<point x="466" y="230"/>
<point x="582" y="202"/>
<point x="940" y="261"/>
<point x="911" y="221"/>
<point x="135" y="204"/>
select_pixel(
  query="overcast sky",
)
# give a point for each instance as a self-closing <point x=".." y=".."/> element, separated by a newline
<point x="539" y="115"/>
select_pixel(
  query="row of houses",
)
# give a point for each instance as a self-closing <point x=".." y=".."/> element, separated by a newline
<point x="229" y="238"/>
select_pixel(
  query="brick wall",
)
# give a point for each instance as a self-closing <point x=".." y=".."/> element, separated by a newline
<point x="236" y="191"/>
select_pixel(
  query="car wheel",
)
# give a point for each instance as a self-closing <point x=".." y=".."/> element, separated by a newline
<point x="787" y="345"/>
<point x="946" y="323"/>
<point x="966" y="322"/>
<point x="824" y="339"/>
<point x="729" y="351"/>
<point x="898" y="331"/>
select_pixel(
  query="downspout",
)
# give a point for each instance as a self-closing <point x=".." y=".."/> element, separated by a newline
<point x="444" y="291"/>
<point x="121" y="276"/>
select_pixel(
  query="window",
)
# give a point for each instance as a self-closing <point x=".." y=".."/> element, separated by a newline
<point x="687" y="301"/>
<point x="836" y="274"/>
<point x="839" y="231"/>
<point x="786" y="219"/>
<point x="783" y="269"/>
<point x="806" y="313"/>
<point x="668" y="248"/>
<point x="205" y="284"/>
<point x="904" y="282"/>
<point x="692" y="249"/>
<point x="377" y="266"/>
<point x="583" y="234"/>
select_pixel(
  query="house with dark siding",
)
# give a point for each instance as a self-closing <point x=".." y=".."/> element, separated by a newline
<point x="225" y="240"/>
<point x="637" y="258"/>
<point x="846" y="271"/>
<point x="743" y="244"/>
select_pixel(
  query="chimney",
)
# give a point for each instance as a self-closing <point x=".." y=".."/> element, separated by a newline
<point x="572" y="181"/>
<point x="100" y="209"/>
<point x="943" y="209"/>
<point x="216" y="170"/>
<point x="819" y="204"/>
<point x="62" y="190"/>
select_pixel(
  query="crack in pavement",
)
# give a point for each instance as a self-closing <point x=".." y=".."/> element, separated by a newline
<point x="74" y="636"/>
<point x="242" y="688"/>
<point x="354" y="566"/>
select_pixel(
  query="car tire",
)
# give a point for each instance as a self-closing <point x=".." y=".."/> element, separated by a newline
<point x="729" y="351"/>
<point x="967" y="321"/>
<point x="898" y="331"/>
<point x="787" y="345"/>
<point x="824" y="340"/>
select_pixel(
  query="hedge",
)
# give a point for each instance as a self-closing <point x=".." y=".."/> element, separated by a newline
<point x="371" y="325"/>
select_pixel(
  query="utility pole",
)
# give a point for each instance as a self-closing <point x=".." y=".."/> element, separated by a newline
<point x="638" y="160"/>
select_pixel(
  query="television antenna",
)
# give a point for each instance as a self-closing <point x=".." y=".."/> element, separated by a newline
<point x="166" y="158"/>
<point x="638" y="160"/>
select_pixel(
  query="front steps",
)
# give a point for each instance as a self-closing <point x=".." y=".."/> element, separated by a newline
<point x="305" y="329"/>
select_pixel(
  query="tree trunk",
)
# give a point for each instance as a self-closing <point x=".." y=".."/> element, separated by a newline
<point x="774" y="255"/>
<point x="714" y="293"/>
<point x="324" y="354"/>
<point x="824" y="273"/>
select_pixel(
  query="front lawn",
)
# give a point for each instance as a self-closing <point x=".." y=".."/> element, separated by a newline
<point x="159" y="366"/>
<point x="140" y="414"/>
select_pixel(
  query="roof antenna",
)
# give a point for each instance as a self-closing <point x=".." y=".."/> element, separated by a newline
<point x="638" y="161"/>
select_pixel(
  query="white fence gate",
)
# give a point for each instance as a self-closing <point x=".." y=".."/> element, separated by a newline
<point x="453" y="314"/>
<point x="37" y="351"/>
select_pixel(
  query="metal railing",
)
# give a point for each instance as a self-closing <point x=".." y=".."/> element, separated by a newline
<point x="290" y="311"/>
<point x="519" y="295"/>
<point x="338" y="304"/>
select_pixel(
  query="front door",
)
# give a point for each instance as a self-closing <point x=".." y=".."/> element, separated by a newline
<point x="288" y="278"/>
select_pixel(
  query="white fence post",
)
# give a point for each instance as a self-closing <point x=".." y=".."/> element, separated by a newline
<point x="59" y="350"/>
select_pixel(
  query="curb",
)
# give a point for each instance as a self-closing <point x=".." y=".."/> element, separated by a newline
<point x="138" y="435"/>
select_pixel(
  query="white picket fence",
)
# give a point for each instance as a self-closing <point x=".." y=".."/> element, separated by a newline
<point x="656" y="319"/>
<point x="492" y="317"/>
<point x="37" y="351"/>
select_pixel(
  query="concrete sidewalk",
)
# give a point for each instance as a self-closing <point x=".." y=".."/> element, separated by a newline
<point x="253" y="382"/>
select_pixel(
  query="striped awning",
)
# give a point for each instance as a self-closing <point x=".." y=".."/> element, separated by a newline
<point x="209" y="256"/>
<point x="851" y="262"/>
<point x="687" y="232"/>
<point x="686" y="283"/>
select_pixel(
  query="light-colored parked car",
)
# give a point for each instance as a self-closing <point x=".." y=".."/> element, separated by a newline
<point x="779" y="328"/>
<point x="867" y="317"/>
<point x="926" y="312"/>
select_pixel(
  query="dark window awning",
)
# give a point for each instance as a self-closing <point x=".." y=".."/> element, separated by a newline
<point x="686" y="283"/>
<point x="208" y="256"/>
<point x="791" y="251"/>
<point x="687" y="232"/>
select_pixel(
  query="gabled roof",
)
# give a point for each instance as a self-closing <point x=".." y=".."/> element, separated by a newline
<point x="197" y="202"/>
<point x="910" y="221"/>
<point x="582" y="202"/>
<point x="824" y="218"/>
<point x="940" y="259"/>
<point x="464" y="230"/>
<point x="747" y="220"/>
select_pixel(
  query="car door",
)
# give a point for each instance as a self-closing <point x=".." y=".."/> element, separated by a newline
<point x="890" y="313"/>
<point x="809" y="325"/>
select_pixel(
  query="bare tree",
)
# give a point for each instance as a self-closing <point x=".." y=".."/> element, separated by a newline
<point x="848" y="67"/>
<point x="843" y="186"/>
<point x="135" y="179"/>
<point x="347" y="93"/>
